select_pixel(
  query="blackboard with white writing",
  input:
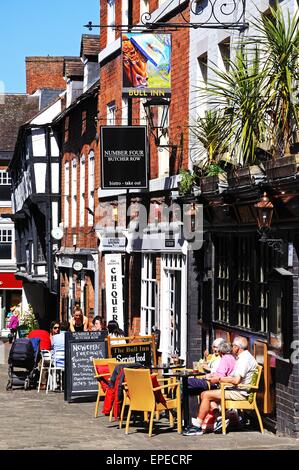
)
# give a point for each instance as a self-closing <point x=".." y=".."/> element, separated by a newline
<point x="80" y="350"/>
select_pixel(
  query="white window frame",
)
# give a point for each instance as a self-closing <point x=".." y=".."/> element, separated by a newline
<point x="125" y="12"/>
<point x="5" y="179"/>
<point x="149" y="296"/>
<point x="111" y="113"/>
<point x="91" y="185"/>
<point x="170" y="263"/>
<point x="82" y="191"/>
<point x="66" y="193"/>
<point x="74" y="192"/>
<point x="163" y="153"/>
<point x="7" y="238"/>
<point x="110" y="21"/>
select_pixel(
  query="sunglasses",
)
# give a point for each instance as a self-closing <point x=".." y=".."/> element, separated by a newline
<point x="56" y="328"/>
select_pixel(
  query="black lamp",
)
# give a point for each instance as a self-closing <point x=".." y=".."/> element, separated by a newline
<point x="157" y="127"/>
<point x="264" y="209"/>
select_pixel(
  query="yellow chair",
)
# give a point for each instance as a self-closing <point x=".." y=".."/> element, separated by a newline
<point x="248" y="404"/>
<point x="101" y="392"/>
<point x="142" y="397"/>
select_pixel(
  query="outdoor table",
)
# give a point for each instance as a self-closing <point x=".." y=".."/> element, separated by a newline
<point x="167" y="367"/>
<point x="184" y="375"/>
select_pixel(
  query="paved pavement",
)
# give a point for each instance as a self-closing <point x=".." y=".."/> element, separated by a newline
<point x="40" y="421"/>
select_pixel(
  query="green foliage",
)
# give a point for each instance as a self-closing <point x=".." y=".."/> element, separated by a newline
<point x="278" y="39"/>
<point x="210" y="131"/>
<point x="214" y="169"/>
<point x="256" y="96"/>
<point x="187" y="181"/>
<point x="28" y="319"/>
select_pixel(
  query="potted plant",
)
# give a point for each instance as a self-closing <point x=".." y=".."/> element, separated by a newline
<point x="188" y="180"/>
<point x="215" y="179"/>
<point x="278" y="39"/>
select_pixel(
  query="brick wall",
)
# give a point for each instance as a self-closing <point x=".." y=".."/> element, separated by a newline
<point x="287" y="374"/>
<point x="44" y="72"/>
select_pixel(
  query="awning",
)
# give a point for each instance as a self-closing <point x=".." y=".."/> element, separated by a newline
<point x="8" y="281"/>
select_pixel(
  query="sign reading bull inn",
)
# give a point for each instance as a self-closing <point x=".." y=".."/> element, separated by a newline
<point x="114" y="289"/>
<point x="124" y="157"/>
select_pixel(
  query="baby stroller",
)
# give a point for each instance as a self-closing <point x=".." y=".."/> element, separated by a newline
<point x="23" y="356"/>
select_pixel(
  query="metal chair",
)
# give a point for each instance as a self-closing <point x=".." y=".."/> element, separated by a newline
<point x="45" y="365"/>
<point x="56" y="366"/>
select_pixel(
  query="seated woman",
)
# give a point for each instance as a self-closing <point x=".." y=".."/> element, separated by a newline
<point x="79" y="322"/>
<point x="210" y="381"/>
<point x="97" y="324"/>
<point x="54" y="330"/>
<point x="211" y="361"/>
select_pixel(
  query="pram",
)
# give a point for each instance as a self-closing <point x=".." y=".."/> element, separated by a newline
<point x="24" y="355"/>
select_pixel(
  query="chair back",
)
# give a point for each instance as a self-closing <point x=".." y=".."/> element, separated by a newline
<point x="102" y="362"/>
<point x="140" y="389"/>
<point x="58" y="358"/>
<point x="255" y="382"/>
<point x="46" y="355"/>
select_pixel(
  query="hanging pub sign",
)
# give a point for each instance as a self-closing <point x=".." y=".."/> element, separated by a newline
<point x="124" y="157"/>
<point x="114" y="289"/>
<point x="146" y="64"/>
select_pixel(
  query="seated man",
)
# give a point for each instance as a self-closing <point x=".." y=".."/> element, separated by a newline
<point x="44" y="336"/>
<point x="243" y="372"/>
<point x="210" y="381"/>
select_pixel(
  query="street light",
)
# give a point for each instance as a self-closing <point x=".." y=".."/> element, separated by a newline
<point x="158" y="121"/>
<point x="264" y="209"/>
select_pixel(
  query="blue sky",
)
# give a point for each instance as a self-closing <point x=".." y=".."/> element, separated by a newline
<point x="38" y="27"/>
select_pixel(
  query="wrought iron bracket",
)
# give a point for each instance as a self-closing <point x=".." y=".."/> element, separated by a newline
<point x="277" y="244"/>
<point x="213" y="14"/>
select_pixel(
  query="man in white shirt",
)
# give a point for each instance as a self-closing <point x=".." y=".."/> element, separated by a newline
<point x="243" y="372"/>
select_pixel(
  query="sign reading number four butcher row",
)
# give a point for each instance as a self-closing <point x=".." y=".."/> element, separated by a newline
<point x="124" y="157"/>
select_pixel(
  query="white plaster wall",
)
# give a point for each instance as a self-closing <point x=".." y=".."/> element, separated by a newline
<point x="55" y="177"/>
<point x="48" y="114"/>
<point x="40" y="170"/>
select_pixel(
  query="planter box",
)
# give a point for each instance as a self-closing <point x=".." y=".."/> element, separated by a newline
<point x="246" y="176"/>
<point x="214" y="184"/>
<point x="282" y="167"/>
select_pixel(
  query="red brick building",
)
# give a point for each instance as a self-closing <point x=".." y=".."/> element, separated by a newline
<point x="154" y="276"/>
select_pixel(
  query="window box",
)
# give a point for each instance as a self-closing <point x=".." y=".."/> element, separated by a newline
<point x="282" y="167"/>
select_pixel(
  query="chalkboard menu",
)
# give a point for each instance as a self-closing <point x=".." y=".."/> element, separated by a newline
<point x="140" y="351"/>
<point x="80" y="349"/>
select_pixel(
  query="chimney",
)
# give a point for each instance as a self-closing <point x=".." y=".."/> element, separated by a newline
<point x="44" y="72"/>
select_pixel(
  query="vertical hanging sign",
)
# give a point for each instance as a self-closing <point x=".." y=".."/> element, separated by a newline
<point x="114" y="289"/>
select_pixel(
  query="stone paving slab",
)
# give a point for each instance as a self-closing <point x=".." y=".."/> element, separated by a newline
<point x="40" y="421"/>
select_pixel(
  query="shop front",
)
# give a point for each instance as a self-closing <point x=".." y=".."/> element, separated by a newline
<point x="10" y="295"/>
<point x="78" y="274"/>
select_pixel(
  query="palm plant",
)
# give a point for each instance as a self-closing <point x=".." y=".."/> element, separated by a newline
<point x="239" y="93"/>
<point x="210" y="132"/>
<point x="278" y="41"/>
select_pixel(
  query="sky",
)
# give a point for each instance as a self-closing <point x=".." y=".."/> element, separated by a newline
<point x="40" y="28"/>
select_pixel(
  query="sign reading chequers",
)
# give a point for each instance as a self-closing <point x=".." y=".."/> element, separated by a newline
<point x="124" y="157"/>
<point x="114" y="289"/>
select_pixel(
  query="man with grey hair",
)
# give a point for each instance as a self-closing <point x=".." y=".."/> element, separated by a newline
<point x="242" y="374"/>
